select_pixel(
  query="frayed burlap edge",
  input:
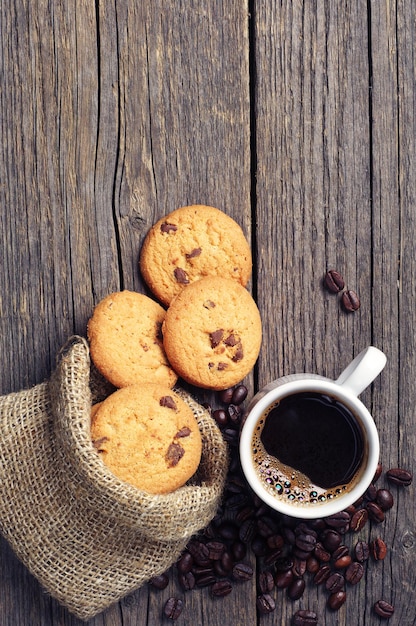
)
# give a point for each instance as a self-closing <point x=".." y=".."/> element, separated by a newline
<point x="87" y="537"/>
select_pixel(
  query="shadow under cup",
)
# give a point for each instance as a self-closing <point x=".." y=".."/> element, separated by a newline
<point x="308" y="448"/>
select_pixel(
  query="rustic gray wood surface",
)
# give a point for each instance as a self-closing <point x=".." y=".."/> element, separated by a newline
<point x="296" y="118"/>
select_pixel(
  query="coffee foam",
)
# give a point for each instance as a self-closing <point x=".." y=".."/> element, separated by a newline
<point x="287" y="483"/>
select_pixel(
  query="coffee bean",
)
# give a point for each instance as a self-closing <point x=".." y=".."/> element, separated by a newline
<point x="331" y="539"/>
<point x="296" y="589"/>
<point x="354" y="573"/>
<point x="228" y="530"/>
<point x="383" y="609"/>
<point x="322" y="574"/>
<point x="362" y="551"/>
<point x="384" y="499"/>
<point x="221" y="588"/>
<point x="288" y="535"/>
<point x="160" y="582"/>
<point x="265" y="582"/>
<point x="259" y="546"/>
<point x="199" y="551"/>
<point x="238" y="550"/>
<point x="272" y="557"/>
<point x="242" y="571"/>
<point x="350" y="301"/>
<point x="221" y="417"/>
<point x="334" y="582"/>
<point x="359" y="520"/>
<point x="185" y="562"/>
<point x="216" y="550"/>
<point x="334" y="282"/>
<point x="173" y="608"/>
<point x="343" y="562"/>
<point x="305" y="542"/>
<point x="399" y="476"/>
<point x="299" y="567"/>
<point x="338" y="520"/>
<point x="225" y="395"/>
<point x="265" y="603"/>
<point x="284" y="579"/>
<point x="375" y="513"/>
<point x="312" y="565"/>
<point x="227" y="561"/>
<point x="304" y="617"/>
<point x="341" y="551"/>
<point x="378" y="549"/>
<point x="239" y="395"/>
<point x="186" y="580"/>
<point x="234" y="413"/>
<point x="205" y="580"/>
<point x="247" y="531"/>
<point x="275" y="542"/>
<point x="336" y="600"/>
<point x="322" y="554"/>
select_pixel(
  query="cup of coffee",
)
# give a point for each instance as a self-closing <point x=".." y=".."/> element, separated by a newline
<point x="308" y="446"/>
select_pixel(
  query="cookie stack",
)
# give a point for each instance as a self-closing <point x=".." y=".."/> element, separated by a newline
<point x="197" y="263"/>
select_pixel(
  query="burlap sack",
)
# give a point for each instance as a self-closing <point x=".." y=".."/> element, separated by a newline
<point x="86" y="536"/>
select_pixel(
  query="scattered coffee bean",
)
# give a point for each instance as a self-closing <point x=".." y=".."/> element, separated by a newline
<point x="375" y="513"/>
<point x="334" y="282"/>
<point x="378" y="549"/>
<point x="284" y="579"/>
<point x="242" y="571"/>
<point x="354" y="573"/>
<point x="239" y="395"/>
<point x="226" y="395"/>
<point x="335" y="582"/>
<point x="296" y="589"/>
<point x="186" y="580"/>
<point x="362" y="551"/>
<point x="384" y="499"/>
<point x="221" y="417"/>
<point x="160" y="582"/>
<point x="322" y="575"/>
<point x="173" y="608"/>
<point x="336" y="600"/>
<point x="359" y="520"/>
<point x="303" y="617"/>
<point x="399" y="476"/>
<point x="350" y="301"/>
<point x="383" y="609"/>
<point x="265" y="582"/>
<point x="338" y="520"/>
<point x="221" y="588"/>
<point x="343" y="562"/>
<point x="331" y="539"/>
<point x="265" y="603"/>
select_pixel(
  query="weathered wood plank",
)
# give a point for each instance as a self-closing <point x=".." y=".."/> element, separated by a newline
<point x="112" y="115"/>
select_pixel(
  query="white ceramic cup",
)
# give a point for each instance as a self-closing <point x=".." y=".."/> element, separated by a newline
<point x="346" y="389"/>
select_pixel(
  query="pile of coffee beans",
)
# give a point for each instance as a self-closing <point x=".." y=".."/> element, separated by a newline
<point x="335" y="283"/>
<point x="291" y="553"/>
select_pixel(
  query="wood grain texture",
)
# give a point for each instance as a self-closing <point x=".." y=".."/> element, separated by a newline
<point x="297" y="119"/>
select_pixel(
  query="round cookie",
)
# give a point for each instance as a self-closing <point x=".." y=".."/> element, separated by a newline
<point x="125" y="340"/>
<point x="212" y="333"/>
<point x="148" y="436"/>
<point x="191" y="243"/>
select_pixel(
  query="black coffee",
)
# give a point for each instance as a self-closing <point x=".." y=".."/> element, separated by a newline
<point x="308" y="447"/>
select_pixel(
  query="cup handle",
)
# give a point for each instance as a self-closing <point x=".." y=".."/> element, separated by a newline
<point x="361" y="372"/>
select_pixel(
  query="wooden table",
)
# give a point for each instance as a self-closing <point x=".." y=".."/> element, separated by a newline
<point x="298" y="119"/>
